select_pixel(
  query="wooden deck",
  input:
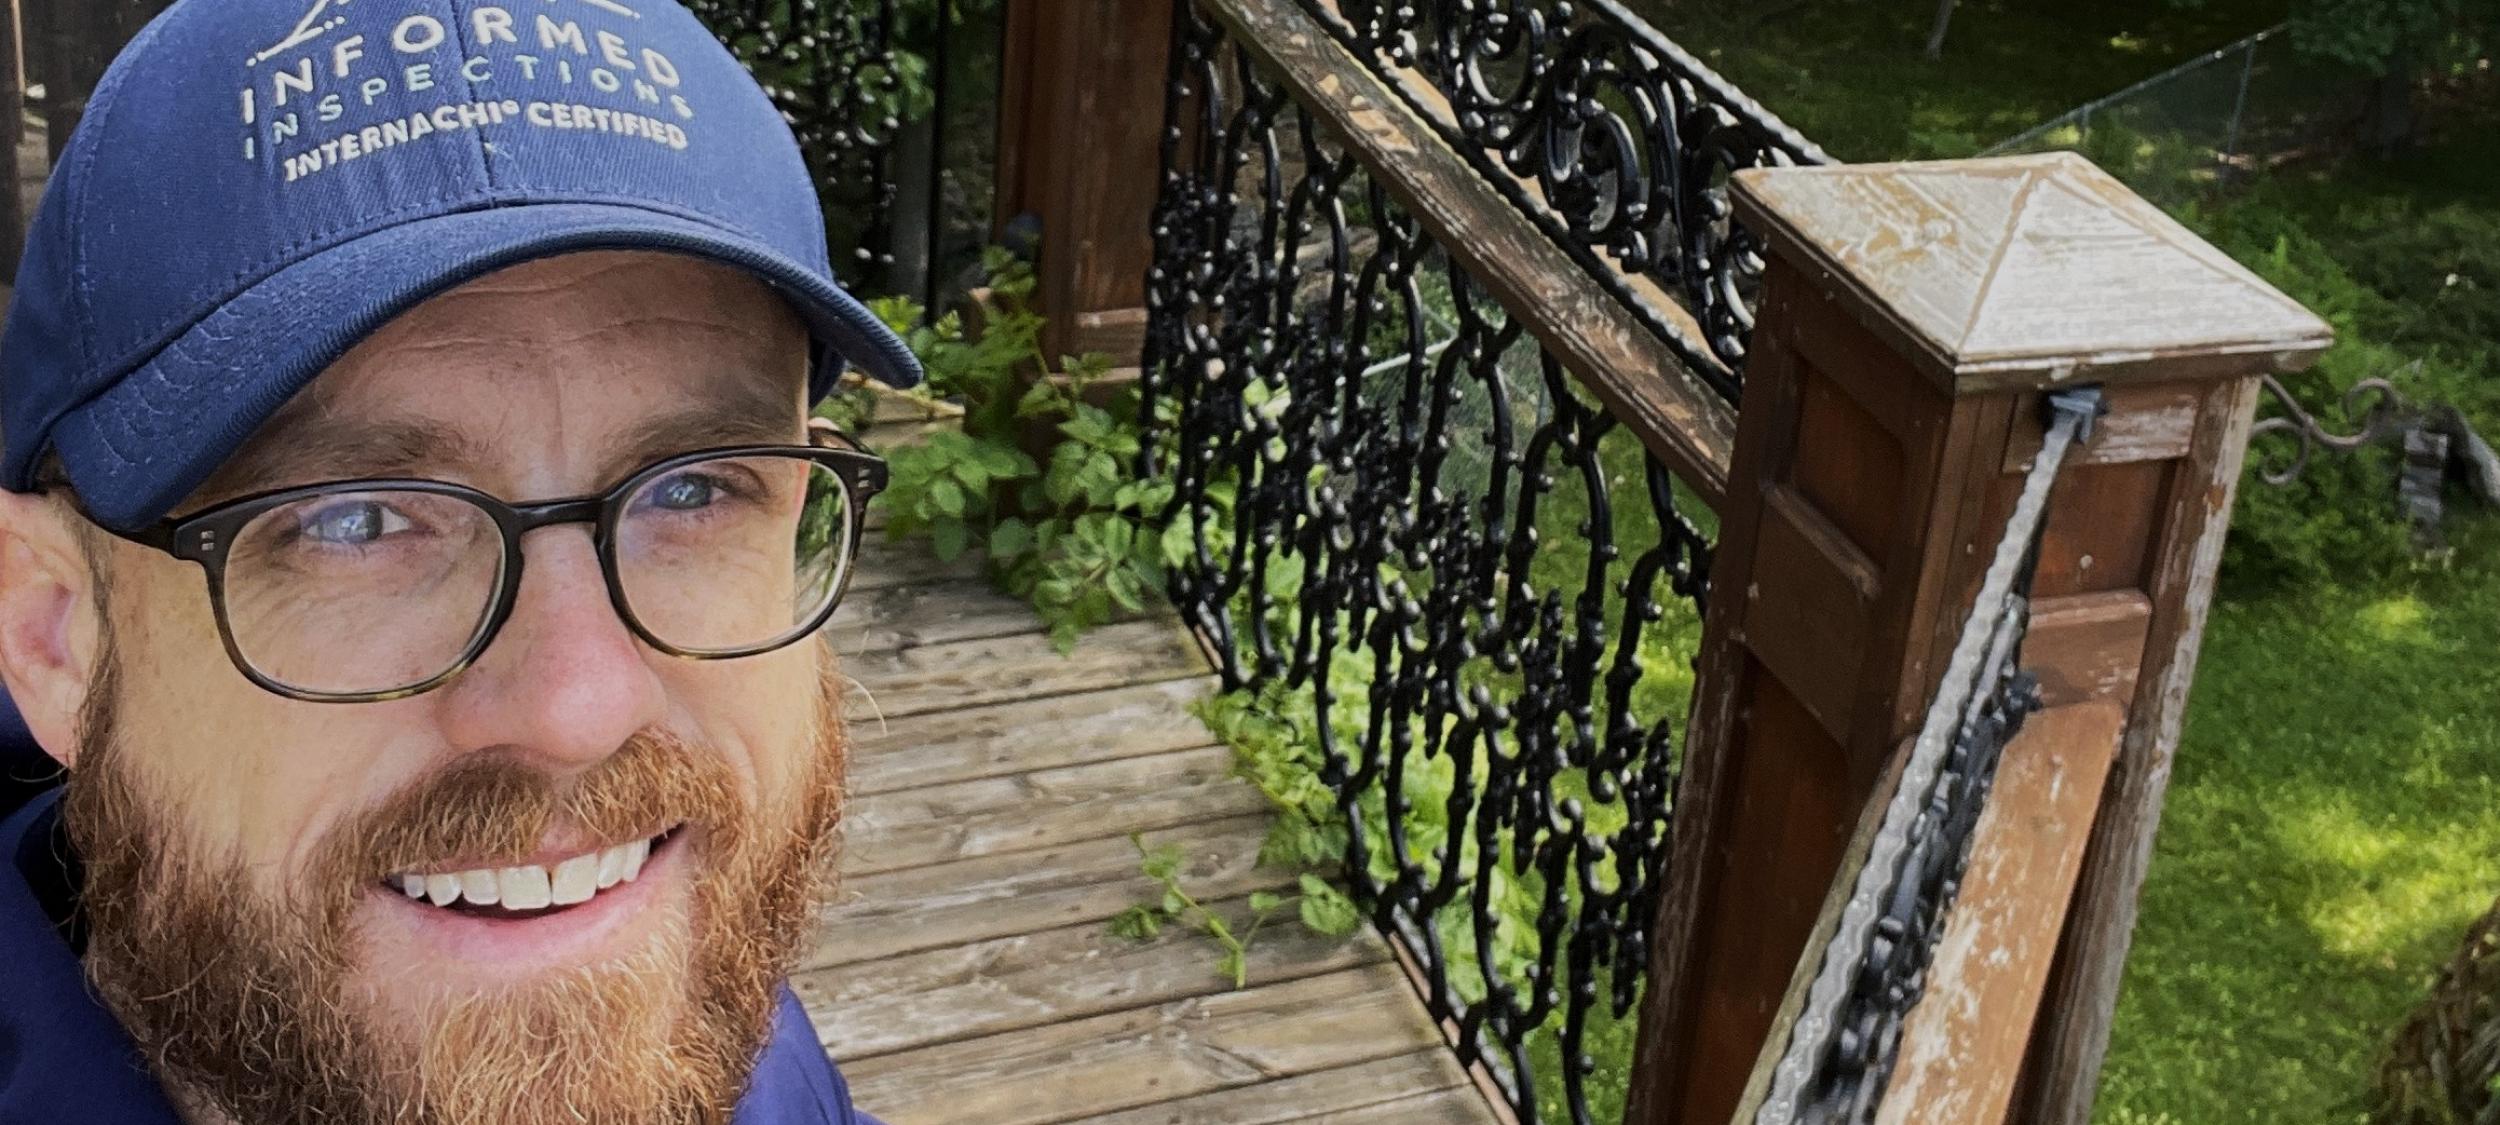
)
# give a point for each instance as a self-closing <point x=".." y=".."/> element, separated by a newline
<point x="967" y="974"/>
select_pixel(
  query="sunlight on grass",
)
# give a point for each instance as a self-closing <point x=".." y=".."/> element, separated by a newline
<point x="2388" y="881"/>
<point x="2393" y="619"/>
<point x="2333" y="826"/>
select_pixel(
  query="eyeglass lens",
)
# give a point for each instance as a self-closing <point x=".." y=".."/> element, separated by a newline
<point x="356" y="592"/>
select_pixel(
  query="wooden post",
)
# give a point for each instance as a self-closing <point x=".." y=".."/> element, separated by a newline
<point x="1080" y="117"/>
<point x="1911" y="317"/>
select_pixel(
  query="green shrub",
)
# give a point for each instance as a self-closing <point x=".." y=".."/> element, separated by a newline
<point x="1078" y="536"/>
<point x="2413" y="296"/>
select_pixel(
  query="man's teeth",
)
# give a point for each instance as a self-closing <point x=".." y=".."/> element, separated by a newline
<point x="531" y="887"/>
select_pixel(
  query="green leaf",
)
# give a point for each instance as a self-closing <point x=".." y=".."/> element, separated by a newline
<point x="1137" y="923"/>
<point x="949" y="538"/>
<point x="1003" y="460"/>
<point x="1060" y="486"/>
<point x="1125" y="590"/>
<point x="1235" y="966"/>
<point x="1042" y="399"/>
<point x="1162" y="862"/>
<point x="947" y="497"/>
<point x="1326" y="910"/>
<point x="1010" y="538"/>
<point x="1262" y="902"/>
<point x="902" y="314"/>
<point x="1173" y="903"/>
<point x="1179" y="544"/>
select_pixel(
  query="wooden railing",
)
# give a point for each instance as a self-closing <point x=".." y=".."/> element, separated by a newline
<point x="1324" y="178"/>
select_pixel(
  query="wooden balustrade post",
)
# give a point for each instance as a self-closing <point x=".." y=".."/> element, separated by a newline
<point x="1080" y="122"/>
<point x="1911" y="318"/>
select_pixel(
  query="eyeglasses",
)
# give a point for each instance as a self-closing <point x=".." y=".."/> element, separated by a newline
<point x="367" y="590"/>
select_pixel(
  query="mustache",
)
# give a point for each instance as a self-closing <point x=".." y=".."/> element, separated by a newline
<point x="497" y="809"/>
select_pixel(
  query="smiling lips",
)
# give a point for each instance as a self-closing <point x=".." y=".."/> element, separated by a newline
<point x="532" y="886"/>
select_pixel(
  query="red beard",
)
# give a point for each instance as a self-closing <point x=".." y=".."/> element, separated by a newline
<point x="252" y="1008"/>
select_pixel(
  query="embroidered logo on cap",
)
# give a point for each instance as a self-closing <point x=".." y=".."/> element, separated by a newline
<point x="553" y="70"/>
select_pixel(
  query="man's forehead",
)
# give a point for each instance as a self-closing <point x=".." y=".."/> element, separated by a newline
<point x="604" y="285"/>
<point x="609" y="356"/>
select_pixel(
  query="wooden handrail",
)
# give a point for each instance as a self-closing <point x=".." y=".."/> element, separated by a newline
<point x="1642" y="382"/>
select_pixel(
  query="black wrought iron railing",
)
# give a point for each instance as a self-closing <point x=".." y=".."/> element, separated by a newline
<point x="831" y="67"/>
<point x="882" y="95"/>
<point x="1613" y="138"/>
<point x="1411" y="518"/>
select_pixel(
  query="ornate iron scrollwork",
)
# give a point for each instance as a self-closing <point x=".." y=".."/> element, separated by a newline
<point x="2380" y="407"/>
<point x="2437" y="445"/>
<point x="1894" y="975"/>
<point x="1609" y="135"/>
<point x="830" y="66"/>
<point x="1401" y="507"/>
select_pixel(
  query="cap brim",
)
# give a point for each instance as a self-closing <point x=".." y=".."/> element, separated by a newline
<point x="136" y="450"/>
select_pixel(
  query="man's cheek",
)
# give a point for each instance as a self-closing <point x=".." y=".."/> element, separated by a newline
<point x="761" y="712"/>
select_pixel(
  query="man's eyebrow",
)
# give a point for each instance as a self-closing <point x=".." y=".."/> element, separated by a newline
<point x="319" y="446"/>
<point x="323" y="448"/>
<point x="740" y="412"/>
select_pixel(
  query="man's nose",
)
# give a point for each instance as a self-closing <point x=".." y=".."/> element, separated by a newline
<point x="564" y="681"/>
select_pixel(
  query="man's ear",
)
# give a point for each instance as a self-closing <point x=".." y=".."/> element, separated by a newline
<point x="48" y="619"/>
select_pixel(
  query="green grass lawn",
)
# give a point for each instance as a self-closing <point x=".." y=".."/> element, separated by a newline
<point x="2334" y="824"/>
<point x="1851" y="73"/>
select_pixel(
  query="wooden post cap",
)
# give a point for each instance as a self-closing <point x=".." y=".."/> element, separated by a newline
<point x="2025" y="271"/>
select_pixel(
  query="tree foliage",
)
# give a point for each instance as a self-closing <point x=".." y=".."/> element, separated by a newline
<point x="2396" y="36"/>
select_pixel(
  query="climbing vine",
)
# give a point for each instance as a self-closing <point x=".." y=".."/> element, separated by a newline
<point x="1040" y="475"/>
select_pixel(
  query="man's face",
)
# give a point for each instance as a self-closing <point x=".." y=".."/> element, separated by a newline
<point x="250" y="855"/>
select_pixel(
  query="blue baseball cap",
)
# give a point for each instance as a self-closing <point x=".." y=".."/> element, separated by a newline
<point x="257" y="185"/>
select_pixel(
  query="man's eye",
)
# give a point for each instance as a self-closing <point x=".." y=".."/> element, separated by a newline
<point x="719" y="486"/>
<point x="685" y="492"/>
<point x="352" y="524"/>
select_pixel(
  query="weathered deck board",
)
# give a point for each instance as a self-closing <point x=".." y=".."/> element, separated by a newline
<point x="1020" y="892"/>
<point x="937" y="747"/>
<point x="1026" y="980"/>
<point x="999" y="669"/>
<point x="877" y="619"/>
<point x="884" y="563"/>
<point x="940" y="823"/>
<point x="1147" y="1055"/>
<point x="1346" y="1093"/>
<point x="966" y="972"/>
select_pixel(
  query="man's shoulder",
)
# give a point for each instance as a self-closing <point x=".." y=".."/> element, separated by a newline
<point x="795" y="1082"/>
<point x="62" y="1055"/>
